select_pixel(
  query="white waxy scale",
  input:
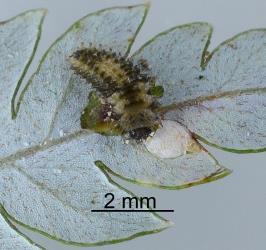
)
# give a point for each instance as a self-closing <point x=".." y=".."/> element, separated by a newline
<point x="171" y="140"/>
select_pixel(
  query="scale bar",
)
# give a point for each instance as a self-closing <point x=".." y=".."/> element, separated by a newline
<point x="131" y="210"/>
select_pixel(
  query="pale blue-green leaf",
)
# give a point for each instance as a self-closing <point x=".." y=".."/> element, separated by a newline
<point x="236" y="66"/>
<point x="133" y="162"/>
<point x="175" y="58"/>
<point x="60" y="173"/>
<point x="64" y="186"/>
<point x="11" y="239"/>
<point x="18" y="40"/>
<point x="235" y="122"/>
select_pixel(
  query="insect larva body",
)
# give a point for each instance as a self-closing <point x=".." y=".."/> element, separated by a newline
<point x="122" y="87"/>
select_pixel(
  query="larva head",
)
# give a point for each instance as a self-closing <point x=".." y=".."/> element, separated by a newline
<point x="125" y="98"/>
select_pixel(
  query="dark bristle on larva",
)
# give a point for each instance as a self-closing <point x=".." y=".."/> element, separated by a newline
<point x="121" y="85"/>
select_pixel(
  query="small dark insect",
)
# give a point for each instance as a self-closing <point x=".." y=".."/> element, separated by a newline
<point x="140" y="133"/>
<point x="125" y="99"/>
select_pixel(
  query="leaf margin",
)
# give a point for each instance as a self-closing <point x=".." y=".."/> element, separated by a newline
<point x="181" y="26"/>
<point x="167" y="223"/>
<point x="4" y="215"/>
<point x="28" y="64"/>
<point x="234" y="150"/>
<point x="213" y="177"/>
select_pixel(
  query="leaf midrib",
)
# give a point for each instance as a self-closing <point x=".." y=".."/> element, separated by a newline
<point x="42" y="147"/>
<point x="178" y="105"/>
<point x="200" y="100"/>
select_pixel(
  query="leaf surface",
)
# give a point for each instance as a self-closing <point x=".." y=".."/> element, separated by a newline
<point x="64" y="190"/>
<point x="219" y="97"/>
<point x="237" y="120"/>
<point x="18" y="39"/>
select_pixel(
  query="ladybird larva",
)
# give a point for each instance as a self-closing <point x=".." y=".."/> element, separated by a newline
<point x="125" y="98"/>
